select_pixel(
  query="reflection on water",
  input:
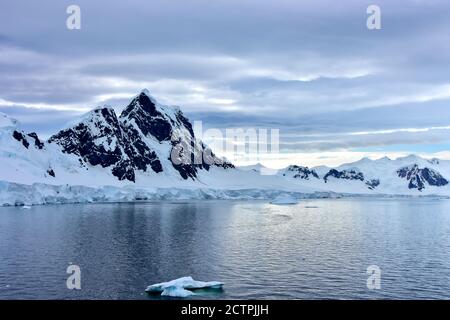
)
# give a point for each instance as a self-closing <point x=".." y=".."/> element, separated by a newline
<point x="315" y="249"/>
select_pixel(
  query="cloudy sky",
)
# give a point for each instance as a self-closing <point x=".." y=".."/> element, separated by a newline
<point x="335" y="90"/>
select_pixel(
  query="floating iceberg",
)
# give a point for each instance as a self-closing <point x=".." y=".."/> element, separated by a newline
<point x="174" y="291"/>
<point x="182" y="287"/>
<point x="284" y="199"/>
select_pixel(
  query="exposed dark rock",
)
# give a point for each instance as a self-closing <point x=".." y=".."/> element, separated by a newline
<point x="181" y="118"/>
<point x="417" y="177"/>
<point x="433" y="178"/>
<point x="101" y="140"/>
<point x="124" y="171"/>
<point x="38" y="143"/>
<point x="187" y="155"/>
<point x="51" y="172"/>
<point x="138" y="151"/>
<point x="149" y="120"/>
<point x="187" y="158"/>
<point x="209" y="158"/>
<point x="344" y="174"/>
<point x="373" y="183"/>
<point x="97" y="142"/>
<point x="125" y="143"/>
<point x="21" y="138"/>
<point x="303" y="172"/>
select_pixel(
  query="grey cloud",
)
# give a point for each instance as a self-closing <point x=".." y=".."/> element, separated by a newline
<point x="302" y="66"/>
<point x="45" y="122"/>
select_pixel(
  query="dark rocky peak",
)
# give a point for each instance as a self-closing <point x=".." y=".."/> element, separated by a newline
<point x="167" y="124"/>
<point x="351" y="174"/>
<point x="419" y="177"/>
<point x="302" y="172"/>
<point x="143" y="102"/>
<point x="97" y="138"/>
<point x="26" y="139"/>
<point x="148" y="117"/>
<point x="128" y="143"/>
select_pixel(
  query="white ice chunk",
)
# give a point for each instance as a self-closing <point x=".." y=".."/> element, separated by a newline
<point x="174" y="291"/>
<point x="181" y="287"/>
<point x="284" y="199"/>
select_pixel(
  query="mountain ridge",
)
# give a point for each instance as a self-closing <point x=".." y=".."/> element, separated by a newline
<point x="150" y="147"/>
<point x="138" y="139"/>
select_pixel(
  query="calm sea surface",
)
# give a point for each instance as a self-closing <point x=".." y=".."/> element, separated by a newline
<point x="318" y="249"/>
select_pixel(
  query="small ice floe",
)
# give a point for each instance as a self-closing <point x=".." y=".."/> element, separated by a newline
<point x="284" y="199"/>
<point x="182" y="287"/>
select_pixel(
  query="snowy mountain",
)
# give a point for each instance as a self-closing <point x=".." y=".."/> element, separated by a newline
<point x="420" y="177"/>
<point x="150" y="151"/>
<point x="143" y="138"/>
<point x="149" y="144"/>
<point x="407" y="175"/>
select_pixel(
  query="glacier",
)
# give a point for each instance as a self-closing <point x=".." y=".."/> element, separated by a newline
<point x="14" y="194"/>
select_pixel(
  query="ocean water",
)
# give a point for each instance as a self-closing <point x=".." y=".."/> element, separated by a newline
<point x="317" y="249"/>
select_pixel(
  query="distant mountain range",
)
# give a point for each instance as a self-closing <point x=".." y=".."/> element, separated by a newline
<point x="407" y="175"/>
<point x="145" y="148"/>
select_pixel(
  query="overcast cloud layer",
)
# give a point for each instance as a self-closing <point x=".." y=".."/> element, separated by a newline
<point x="335" y="89"/>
